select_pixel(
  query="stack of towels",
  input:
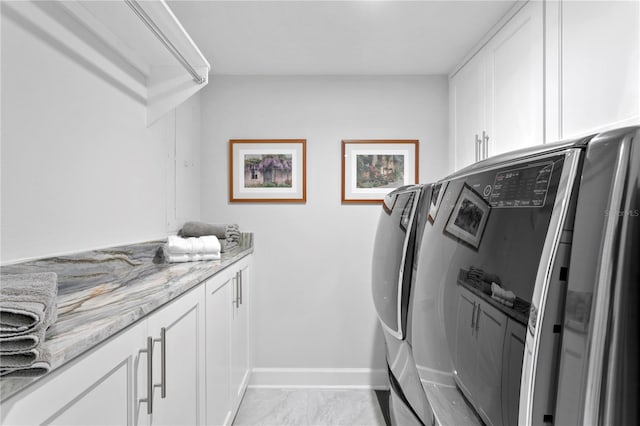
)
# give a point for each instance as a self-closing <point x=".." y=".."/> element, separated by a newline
<point x="27" y="308"/>
<point x="178" y="249"/>
<point x="227" y="234"/>
<point x="482" y="280"/>
<point x="503" y="296"/>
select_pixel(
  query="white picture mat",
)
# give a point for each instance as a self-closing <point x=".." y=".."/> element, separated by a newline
<point x="351" y="164"/>
<point x="243" y="153"/>
<point x="240" y="151"/>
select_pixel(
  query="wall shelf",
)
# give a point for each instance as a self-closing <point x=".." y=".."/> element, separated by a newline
<point x="110" y="39"/>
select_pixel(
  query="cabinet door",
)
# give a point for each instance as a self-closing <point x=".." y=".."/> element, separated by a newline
<point x="183" y="358"/>
<point x="97" y="389"/>
<point x="515" y="70"/>
<point x="240" y="332"/>
<point x="600" y="65"/>
<point x="219" y="295"/>
<point x="512" y="371"/>
<point x="466" y="90"/>
<point x="466" y="346"/>
<point x="491" y="326"/>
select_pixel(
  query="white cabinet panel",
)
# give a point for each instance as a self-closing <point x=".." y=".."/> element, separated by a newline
<point x="496" y="98"/>
<point x="240" y="333"/>
<point x="183" y="361"/>
<point x="219" y="305"/>
<point x="227" y="341"/>
<point x="514" y="63"/>
<point x="600" y="81"/>
<point x="97" y="388"/>
<point x="467" y="90"/>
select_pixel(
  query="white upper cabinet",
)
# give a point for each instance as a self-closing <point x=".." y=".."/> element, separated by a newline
<point x="514" y="64"/>
<point x="466" y="99"/>
<point x="496" y="98"/>
<point x="137" y="46"/>
<point x="598" y="46"/>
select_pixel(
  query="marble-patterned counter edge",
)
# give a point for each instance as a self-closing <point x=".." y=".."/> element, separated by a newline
<point x="102" y="292"/>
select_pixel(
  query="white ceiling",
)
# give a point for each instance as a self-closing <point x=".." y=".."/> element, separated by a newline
<point x="337" y="37"/>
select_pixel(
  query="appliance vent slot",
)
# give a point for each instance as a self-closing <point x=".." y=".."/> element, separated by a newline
<point x="564" y="273"/>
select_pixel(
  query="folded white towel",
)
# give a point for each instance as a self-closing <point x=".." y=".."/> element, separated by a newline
<point x="193" y="245"/>
<point x="185" y="257"/>
<point x="498" y="292"/>
<point x="503" y="301"/>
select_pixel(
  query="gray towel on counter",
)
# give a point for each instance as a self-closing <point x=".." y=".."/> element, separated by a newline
<point x="226" y="233"/>
<point x="228" y="245"/>
<point x="25" y="363"/>
<point x="27" y="301"/>
<point x="37" y="368"/>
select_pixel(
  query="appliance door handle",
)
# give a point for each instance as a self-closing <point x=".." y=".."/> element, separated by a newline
<point x="477" y="143"/>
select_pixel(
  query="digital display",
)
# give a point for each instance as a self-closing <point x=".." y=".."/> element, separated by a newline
<point x="523" y="187"/>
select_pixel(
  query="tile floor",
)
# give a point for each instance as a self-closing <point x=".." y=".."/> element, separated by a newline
<point x="309" y="407"/>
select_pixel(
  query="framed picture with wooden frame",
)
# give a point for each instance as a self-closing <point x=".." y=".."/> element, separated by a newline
<point x="373" y="168"/>
<point x="267" y="170"/>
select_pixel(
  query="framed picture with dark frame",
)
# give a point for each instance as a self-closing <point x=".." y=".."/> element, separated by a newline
<point x="267" y="170"/>
<point x="469" y="217"/>
<point x="373" y="168"/>
<point x="437" y="193"/>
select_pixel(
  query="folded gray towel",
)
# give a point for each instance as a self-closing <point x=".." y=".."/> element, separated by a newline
<point x="36" y="369"/>
<point x="228" y="245"/>
<point x="17" y="344"/>
<point x="22" y="359"/>
<point x="28" y="363"/>
<point x="200" y="229"/>
<point x="27" y="301"/>
<point x="35" y="362"/>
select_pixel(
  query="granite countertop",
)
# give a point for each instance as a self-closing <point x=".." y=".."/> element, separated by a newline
<point x="519" y="312"/>
<point x="101" y="292"/>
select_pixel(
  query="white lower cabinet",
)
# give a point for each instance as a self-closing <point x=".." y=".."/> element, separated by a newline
<point x="101" y="387"/>
<point x="218" y="341"/>
<point x="227" y="342"/>
<point x="178" y="333"/>
<point x="240" y="333"/>
<point x="198" y="349"/>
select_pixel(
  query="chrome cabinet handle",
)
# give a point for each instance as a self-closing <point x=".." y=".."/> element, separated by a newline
<point x="235" y="295"/>
<point x="240" y="279"/>
<point x="149" y="352"/>
<point x="485" y="143"/>
<point x="477" y="319"/>
<point x="478" y="142"/>
<point x="163" y="362"/>
<point x="473" y="316"/>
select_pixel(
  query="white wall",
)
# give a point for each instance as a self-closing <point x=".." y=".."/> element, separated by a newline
<point x="312" y="303"/>
<point x="80" y="169"/>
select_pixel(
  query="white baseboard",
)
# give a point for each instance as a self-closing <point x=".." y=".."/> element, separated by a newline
<point x="343" y="378"/>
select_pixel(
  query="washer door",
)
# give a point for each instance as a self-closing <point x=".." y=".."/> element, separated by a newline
<point x="393" y="251"/>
